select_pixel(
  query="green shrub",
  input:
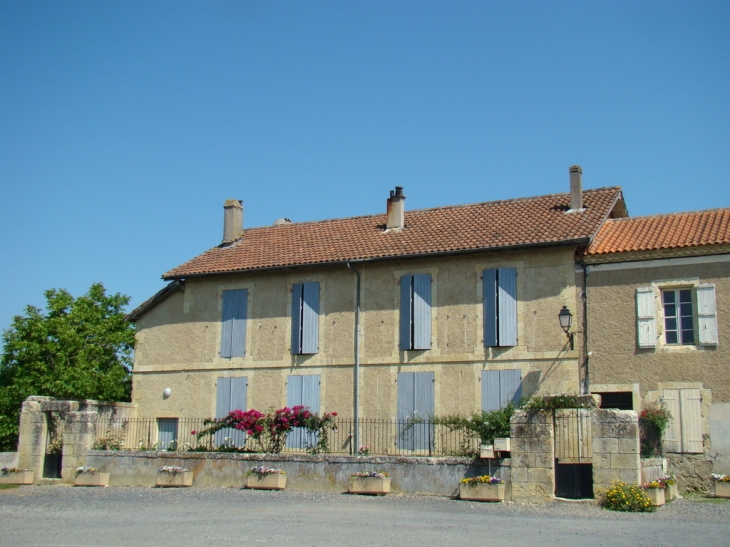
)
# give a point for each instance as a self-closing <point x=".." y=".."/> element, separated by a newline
<point x="564" y="400"/>
<point x="627" y="497"/>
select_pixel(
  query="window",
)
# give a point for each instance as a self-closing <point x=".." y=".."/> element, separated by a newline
<point x="620" y="400"/>
<point x="500" y="387"/>
<point x="167" y="433"/>
<point x="415" y="312"/>
<point x="684" y="433"/>
<point x="678" y="318"/>
<point x="233" y="329"/>
<point x="415" y="402"/>
<point x="302" y="391"/>
<point x="500" y="307"/>
<point x="305" y="319"/>
<point x="688" y="315"/>
<point x="230" y="395"/>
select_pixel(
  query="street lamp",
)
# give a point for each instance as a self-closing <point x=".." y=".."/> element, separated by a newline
<point x="566" y="320"/>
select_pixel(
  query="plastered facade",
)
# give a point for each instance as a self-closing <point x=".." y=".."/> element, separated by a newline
<point x="178" y="340"/>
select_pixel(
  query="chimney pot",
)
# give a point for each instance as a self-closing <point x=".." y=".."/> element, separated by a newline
<point x="396" y="209"/>
<point x="576" y="189"/>
<point x="232" y="220"/>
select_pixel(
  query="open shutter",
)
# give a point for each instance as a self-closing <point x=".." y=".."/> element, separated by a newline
<point x="645" y="317"/>
<point x="510" y="386"/>
<point x="690" y="403"/>
<point x="491" y="398"/>
<point x="227" y="325"/>
<point x="310" y="318"/>
<point x="707" y="315"/>
<point x="406" y="283"/>
<point x="296" y="318"/>
<point x="422" y="311"/>
<point x="507" y="302"/>
<point x="673" y="435"/>
<point x="489" y="284"/>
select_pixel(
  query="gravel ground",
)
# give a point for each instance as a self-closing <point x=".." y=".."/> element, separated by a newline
<point x="61" y="516"/>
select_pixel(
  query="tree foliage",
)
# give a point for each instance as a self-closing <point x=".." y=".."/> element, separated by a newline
<point x="77" y="348"/>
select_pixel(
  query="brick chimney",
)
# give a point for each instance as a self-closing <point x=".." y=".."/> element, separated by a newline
<point x="396" y="209"/>
<point x="576" y="189"/>
<point x="232" y="220"/>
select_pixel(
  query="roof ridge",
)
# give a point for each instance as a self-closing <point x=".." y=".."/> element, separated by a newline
<point x="665" y="215"/>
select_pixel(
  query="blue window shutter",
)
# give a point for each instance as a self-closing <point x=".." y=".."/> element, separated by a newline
<point x="507" y="312"/>
<point x="294" y="391"/>
<point x="310" y="392"/>
<point x="491" y="397"/>
<point x="424" y="403"/>
<point x="240" y="316"/>
<point x="304" y="391"/>
<point x="489" y="278"/>
<point x="405" y="406"/>
<point x="422" y="311"/>
<point x="167" y="433"/>
<point x="239" y="387"/>
<point x="296" y="318"/>
<point x="406" y="308"/>
<point x="222" y="407"/>
<point x="310" y="318"/>
<point x="510" y="386"/>
<point x="227" y="324"/>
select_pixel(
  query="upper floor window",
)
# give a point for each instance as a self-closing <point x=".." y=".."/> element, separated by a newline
<point x="678" y="316"/>
<point x="500" y="307"/>
<point x="233" y="329"/>
<point x="415" y="312"/>
<point x="305" y="318"/>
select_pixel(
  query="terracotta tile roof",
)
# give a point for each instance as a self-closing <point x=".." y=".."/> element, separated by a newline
<point x="670" y="231"/>
<point x="490" y="225"/>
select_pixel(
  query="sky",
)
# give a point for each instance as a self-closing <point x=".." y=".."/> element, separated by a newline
<point x="124" y="126"/>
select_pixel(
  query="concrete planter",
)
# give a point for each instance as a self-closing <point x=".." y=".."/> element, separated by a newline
<point x="17" y="477"/>
<point x="272" y="481"/>
<point x="502" y="444"/>
<point x="656" y="495"/>
<point x="87" y="479"/>
<point x="486" y="451"/>
<point x="181" y="479"/>
<point x="481" y="492"/>
<point x="369" y="485"/>
<point x="671" y="492"/>
<point x="722" y="489"/>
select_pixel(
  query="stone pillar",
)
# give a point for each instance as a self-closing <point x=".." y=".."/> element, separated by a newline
<point x="78" y="437"/>
<point x="533" y="456"/>
<point x="32" y="437"/>
<point x="616" y="454"/>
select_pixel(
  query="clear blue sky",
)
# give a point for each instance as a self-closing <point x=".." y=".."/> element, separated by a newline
<point x="125" y="125"/>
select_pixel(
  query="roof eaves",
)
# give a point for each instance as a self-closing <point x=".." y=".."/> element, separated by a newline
<point x="147" y="305"/>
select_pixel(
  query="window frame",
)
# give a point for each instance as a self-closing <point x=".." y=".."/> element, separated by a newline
<point x="682" y="338"/>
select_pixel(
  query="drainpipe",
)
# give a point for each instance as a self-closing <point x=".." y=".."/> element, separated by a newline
<point x="356" y="438"/>
<point x="586" y="354"/>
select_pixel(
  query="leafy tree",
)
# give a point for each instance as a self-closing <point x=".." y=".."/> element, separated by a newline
<point x="78" y="348"/>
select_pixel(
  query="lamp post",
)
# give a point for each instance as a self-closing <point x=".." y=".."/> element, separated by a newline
<point x="566" y="320"/>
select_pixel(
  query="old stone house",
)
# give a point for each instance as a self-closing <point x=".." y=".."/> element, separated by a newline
<point x="393" y="315"/>
<point x="658" y="310"/>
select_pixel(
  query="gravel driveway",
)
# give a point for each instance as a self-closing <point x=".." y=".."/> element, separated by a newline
<point x="67" y="516"/>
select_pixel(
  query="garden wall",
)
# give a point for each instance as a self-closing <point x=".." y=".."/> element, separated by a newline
<point x="410" y="475"/>
<point x="8" y="459"/>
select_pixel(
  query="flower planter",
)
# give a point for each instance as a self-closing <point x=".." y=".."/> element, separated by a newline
<point x="671" y="492"/>
<point x="722" y="489"/>
<point x="481" y="492"/>
<point x="87" y="479"/>
<point x="378" y="486"/>
<point x="502" y="444"/>
<point x="17" y="477"/>
<point x="272" y="481"/>
<point x="656" y="495"/>
<point x="486" y="451"/>
<point x="180" y="479"/>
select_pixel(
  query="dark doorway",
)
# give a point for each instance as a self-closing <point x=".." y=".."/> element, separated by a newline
<point x="574" y="480"/>
<point x="52" y="461"/>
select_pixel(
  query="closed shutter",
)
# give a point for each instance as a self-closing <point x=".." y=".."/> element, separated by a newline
<point x="691" y="412"/>
<point x="707" y="315"/>
<point x="239" y="389"/>
<point x="500" y="387"/>
<point x="673" y="435"/>
<point x="645" y="317"/>
<point x="489" y="278"/>
<point x="233" y="328"/>
<point x="231" y="394"/>
<point x="510" y="386"/>
<point x="302" y="391"/>
<point x="310" y="318"/>
<point x="167" y="433"/>
<point x="416" y="401"/>
<point x="296" y="318"/>
<point x="507" y="312"/>
<point x="422" y="311"/>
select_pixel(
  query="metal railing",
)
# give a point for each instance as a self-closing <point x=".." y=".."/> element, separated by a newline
<point x="377" y="437"/>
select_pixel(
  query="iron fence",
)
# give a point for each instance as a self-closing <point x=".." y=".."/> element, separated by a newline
<point x="377" y="437"/>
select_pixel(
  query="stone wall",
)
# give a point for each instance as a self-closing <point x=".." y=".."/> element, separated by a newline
<point x="8" y="459"/>
<point x="533" y="456"/>
<point x="652" y="469"/>
<point x="692" y="471"/>
<point x="616" y="455"/>
<point x="429" y="476"/>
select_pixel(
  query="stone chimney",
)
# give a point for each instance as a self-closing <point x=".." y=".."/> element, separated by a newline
<point x="576" y="189"/>
<point x="232" y="220"/>
<point x="396" y="209"/>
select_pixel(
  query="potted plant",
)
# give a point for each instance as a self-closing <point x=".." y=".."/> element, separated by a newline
<point x="482" y="488"/>
<point x="90" y="476"/>
<point x="13" y="475"/>
<point x="655" y="491"/>
<point x="369" y="482"/>
<point x="172" y="475"/>
<point x="670" y="487"/>
<point x="263" y="478"/>
<point x="722" y="485"/>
